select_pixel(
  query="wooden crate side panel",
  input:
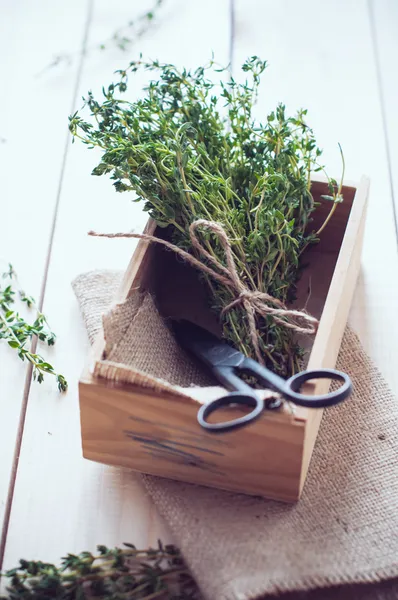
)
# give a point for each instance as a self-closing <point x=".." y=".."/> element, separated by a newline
<point x="335" y="314"/>
<point x="138" y="268"/>
<point x="332" y="236"/>
<point x="160" y="436"/>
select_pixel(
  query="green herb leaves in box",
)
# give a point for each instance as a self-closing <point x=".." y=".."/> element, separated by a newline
<point x="192" y="149"/>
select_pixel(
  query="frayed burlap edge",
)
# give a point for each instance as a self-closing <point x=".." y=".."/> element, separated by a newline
<point x="119" y="373"/>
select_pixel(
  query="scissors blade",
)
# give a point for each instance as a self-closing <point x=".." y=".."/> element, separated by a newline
<point x="206" y="346"/>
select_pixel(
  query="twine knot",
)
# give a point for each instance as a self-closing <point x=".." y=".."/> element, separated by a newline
<point x="245" y="294"/>
<point x="253" y="301"/>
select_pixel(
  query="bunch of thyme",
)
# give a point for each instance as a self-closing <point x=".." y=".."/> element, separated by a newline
<point x="112" y="574"/>
<point x="18" y="333"/>
<point x="191" y="149"/>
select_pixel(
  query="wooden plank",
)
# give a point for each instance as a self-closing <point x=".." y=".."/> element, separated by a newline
<point x="85" y="503"/>
<point x="335" y="314"/>
<point x="384" y="23"/>
<point x="32" y="141"/>
<point x="121" y="426"/>
<point x="337" y="82"/>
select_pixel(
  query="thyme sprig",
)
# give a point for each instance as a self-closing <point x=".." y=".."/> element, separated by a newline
<point x="190" y="149"/>
<point x="112" y="574"/>
<point x="125" y="37"/>
<point x="122" y="38"/>
<point x="18" y="333"/>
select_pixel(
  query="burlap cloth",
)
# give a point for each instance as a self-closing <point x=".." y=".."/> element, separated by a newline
<point x="339" y="541"/>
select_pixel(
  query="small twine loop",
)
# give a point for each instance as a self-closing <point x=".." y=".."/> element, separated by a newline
<point x="253" y="301"/>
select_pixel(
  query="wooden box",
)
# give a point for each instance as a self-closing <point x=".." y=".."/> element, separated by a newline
<point x="271" y="456"/>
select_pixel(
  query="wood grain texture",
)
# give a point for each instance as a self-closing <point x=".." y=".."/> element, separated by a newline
<point x="384" y="23"/>
<point x="33" y="130"/>
<point x="161" y="436"/>
<point x="56" y="489"/>
<point x="334" y="316"/>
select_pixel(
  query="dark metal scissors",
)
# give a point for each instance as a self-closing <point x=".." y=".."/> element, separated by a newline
<point x="227" y="364"/>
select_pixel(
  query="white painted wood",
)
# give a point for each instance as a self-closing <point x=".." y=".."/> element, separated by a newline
<point x="384" y="17"/>
<point x="62" y="502"/>
<point x="32" y="138"/>
<point x="321" y="58"/>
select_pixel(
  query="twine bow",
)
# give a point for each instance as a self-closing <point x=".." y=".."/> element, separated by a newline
<point x="254" y="302"/>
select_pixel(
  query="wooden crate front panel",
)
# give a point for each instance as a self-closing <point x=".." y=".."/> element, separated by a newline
<point x="160" y="436"/>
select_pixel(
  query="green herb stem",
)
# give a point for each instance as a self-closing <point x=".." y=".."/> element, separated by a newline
<point x="123" y="573"/>
<point x="17" y="332"/>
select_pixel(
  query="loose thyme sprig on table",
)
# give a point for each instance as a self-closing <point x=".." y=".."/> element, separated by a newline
<point x="191" y="149"/>
<point x="114" y="573"/>
<point x="122" y="38"/>
<point x="17" y="332"/>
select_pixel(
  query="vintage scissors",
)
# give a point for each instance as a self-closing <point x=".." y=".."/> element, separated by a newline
<point x="227" y="365"/>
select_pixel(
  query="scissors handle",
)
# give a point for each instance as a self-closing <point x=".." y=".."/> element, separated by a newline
<point x="247" y="400"/>
<point x="294" y="384"/>
<point x="290" y="388"/>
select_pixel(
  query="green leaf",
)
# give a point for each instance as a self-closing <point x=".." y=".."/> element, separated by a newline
<point x="16" y="331"/>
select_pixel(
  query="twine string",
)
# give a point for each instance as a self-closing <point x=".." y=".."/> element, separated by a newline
<point x="254" y="302"/>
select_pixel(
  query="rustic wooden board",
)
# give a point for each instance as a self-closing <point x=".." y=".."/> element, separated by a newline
<point x="85" y="503"/>
<point x="335" y="314"/>
<point x="384" y="19"/>
<point x="56" y="491"/>
<point x="33" y="131"/>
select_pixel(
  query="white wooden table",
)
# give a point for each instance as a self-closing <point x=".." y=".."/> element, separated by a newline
<point x="336" y="58"/>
